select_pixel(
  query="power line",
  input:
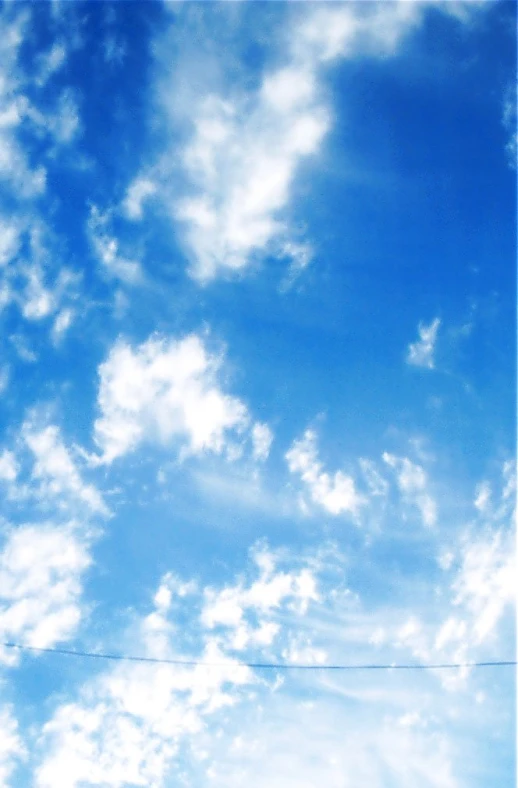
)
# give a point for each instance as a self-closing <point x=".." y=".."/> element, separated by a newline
<point x="256" y="665"/>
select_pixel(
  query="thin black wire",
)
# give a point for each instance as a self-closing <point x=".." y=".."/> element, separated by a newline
<point x="256" y="665"/>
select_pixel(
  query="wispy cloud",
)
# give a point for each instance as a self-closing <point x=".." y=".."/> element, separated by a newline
<point x="106" y="248"/>
<point x="413" y="483"/>
<point x="509" y="121"/>
<point x="35" y="129"/>
<point x="486" y="582"/>
<point x="55" y="472"/>
<point x="15" y="167"/>
<point x="479" y="575"/>
<point x="8" y="466"/>
<point x="421" y="353"/>
<point x="335" y="493"/>
<point x="34" y="281"/>
<point x="275" y="603"/>
<point x="339" y="742"/>
<point x="262" y="439"/>
<point x="127" y="725"/>
<point x="62" y="323"/>
<point x="25" y="121"/>
<point x="50" y="62"/>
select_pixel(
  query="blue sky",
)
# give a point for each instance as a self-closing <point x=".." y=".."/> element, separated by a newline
<point x="257" y="298"/>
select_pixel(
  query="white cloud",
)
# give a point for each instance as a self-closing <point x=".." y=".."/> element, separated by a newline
<point x="165" y="390"/>
<point x="62" y="323"/>
<point x="244" y="148"/>
<point x="244" y="169"/>
<point x="262" y="438"/>
<point x="330" y="32"/>
<point x="481" y="591"/>
<point x="241" y="487"/>
<point x="37" y="301"/>
<point x="11" y="746"/>
<point x="40" y="585"/>
<point x="59" y="124"/>
<point x="483" y="496"/>
<point x="15" y="168"/>
<point x="8" y="466"/>
<point x="54" y="122"/>
<point x="127" y="724"/>
<point x="509" y="476"/>
<point x="31" y="130"/>
<point x="4" y="378"/>
<point x="290" y="742"/>
<point x="138" y="192"/>
<point x="9" y="241"/>
<point x="23" y="349"/>
<point x="247" y="612"/>
<point x="34" y="281"/>
<point x="486" y="582"/>
<point x="377" y="484"/>
<point x="336" y="493"/>
<point x="55" y="470"/>
<point x="50" y="62"/>
<point x="495" y="499"/>
<point x="114" y="51"/>
<point x="65" y="124"/>
<point x="413" y="484"/>
<point x="421" y="353"/>
<point x="106" y="249"/>
<point x="478" y="592"/>
<point x="42" y="564"/>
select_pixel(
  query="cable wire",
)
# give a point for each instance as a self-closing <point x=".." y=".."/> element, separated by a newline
<point x="255" y="665"/>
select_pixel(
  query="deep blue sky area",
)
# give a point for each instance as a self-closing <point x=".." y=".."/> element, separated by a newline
<point x="257" y="394"/>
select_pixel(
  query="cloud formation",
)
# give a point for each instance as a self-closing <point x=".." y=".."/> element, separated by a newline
<point x="56" y="474"/>
<point x="167" y="391"/>
<point x="11" y="746"/>
<point x="106" y="249"/>
<point x="244" y="148"/>
<point x="335" y="493"/>
<point x="421" y="353"/>
<point x="128" y="724"/>
<point x="40" y="585"/>
<point x="141" y="146"/>
<point x="413" y="484"/>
